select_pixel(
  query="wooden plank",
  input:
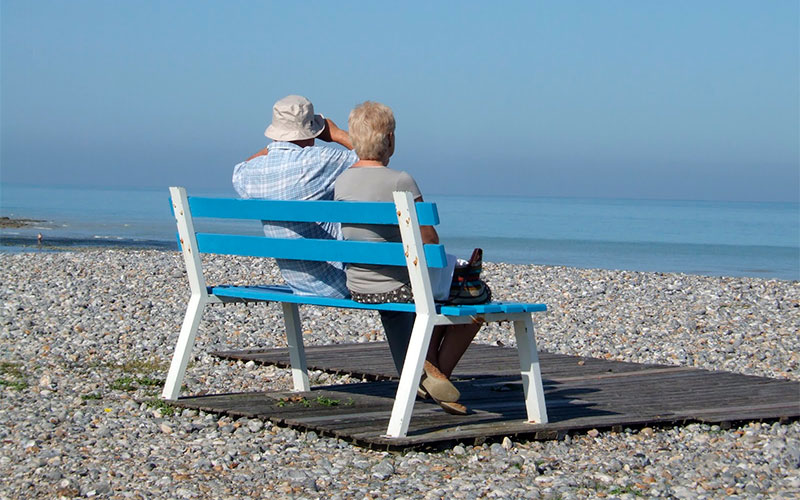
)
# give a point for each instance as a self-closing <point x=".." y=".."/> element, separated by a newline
<point x="502" y="407"/>
<point x="372" y="360"/>
<point x="593" y="394"/>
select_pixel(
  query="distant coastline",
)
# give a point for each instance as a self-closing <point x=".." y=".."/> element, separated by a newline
<point x="16" y="223"/>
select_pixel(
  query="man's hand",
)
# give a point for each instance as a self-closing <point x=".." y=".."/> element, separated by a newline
<point x="326" y="131"/>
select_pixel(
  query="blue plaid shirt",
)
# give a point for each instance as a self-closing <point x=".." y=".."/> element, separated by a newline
<point x="289" y="172"/>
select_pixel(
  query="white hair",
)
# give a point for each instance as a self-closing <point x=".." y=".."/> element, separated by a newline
<point x="370" y="126"/>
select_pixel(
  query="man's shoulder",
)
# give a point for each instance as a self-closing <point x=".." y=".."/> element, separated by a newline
<point x="320" y="151"/>
<point x="276" y="157"/>
<point x="291" y="172"/>
<point x="283" y="146"/>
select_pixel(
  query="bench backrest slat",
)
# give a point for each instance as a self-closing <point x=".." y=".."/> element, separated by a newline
<point x="361" y="252"/>
<point x="353" y="212"/>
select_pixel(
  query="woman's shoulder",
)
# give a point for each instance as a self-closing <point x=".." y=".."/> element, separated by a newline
<point x="381" y="175"/>
<point x="397" y="174"/>
<point x="377" y="172"/>
<point x="404" y="174"/>
<point x="404" y="182"/>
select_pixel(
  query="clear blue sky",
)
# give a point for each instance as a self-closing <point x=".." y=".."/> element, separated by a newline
<point x="675" y="100"/>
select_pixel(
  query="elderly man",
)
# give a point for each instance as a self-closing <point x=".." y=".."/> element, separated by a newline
<point x="293" y="168"/>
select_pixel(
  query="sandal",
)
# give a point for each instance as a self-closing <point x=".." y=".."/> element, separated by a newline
<point x="453" y="408"/>
<point x="437" y="385"/>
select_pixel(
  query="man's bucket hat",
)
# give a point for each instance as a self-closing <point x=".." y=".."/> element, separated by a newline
<point x="293" y="119"/>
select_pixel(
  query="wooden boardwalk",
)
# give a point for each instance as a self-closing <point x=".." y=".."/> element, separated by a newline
<point x="581" y="394"/>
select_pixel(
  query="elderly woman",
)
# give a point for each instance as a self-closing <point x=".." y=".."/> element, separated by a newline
<point x="372" y="127"/>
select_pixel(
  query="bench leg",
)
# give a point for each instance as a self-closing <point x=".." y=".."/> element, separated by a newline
<point x="531" y="374"/>
<point x="183" y="349"/>
<point x="297" y="354"/>
<point x="409" y="379"/>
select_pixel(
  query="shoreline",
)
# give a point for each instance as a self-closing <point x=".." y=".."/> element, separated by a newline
<point x="88" y="336"/>
<point x="18" y="244"/>
<point x="24" y="244"/>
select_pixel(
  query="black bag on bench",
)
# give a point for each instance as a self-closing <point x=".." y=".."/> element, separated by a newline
<point x="467" y="286"/>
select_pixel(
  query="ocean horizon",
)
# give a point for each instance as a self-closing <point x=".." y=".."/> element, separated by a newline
<point x="755" y="239"/>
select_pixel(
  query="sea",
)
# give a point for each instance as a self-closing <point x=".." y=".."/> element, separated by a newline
<point x="695" y="237"/>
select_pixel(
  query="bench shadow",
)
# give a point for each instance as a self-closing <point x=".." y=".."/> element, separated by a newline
<point x="489" y="400"/>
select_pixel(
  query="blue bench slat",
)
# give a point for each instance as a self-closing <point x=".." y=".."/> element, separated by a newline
<point x="450" y="310"/>
<point x="491" y="307"/>
<point x="361" y="252"/>
<point x="513" y="308"/>
<point x="352" y="212"/>
<point x="279" y="293"/>
<point x="282" y="293"/>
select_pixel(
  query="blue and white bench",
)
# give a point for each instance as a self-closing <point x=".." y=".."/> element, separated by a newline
<point x="411" y="253"/>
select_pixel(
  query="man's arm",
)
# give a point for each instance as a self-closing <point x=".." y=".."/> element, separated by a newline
<point x="332" y="133"/>
<point x="263" y="152"/>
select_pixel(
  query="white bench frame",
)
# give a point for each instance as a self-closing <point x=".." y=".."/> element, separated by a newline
<point x="427" y="318"/>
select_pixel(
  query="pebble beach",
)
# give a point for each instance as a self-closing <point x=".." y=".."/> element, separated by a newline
<point x="87" y="337"/>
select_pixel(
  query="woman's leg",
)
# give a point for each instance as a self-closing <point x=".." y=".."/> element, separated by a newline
<point x="455" y="339"/>
<point x="433" y="347"/>
<point x="448" y="344"/>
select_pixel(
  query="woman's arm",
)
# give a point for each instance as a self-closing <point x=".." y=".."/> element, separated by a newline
<point x="429" y="234"/>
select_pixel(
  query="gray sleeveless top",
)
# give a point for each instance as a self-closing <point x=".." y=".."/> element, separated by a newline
<point x="373" y="184"/>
